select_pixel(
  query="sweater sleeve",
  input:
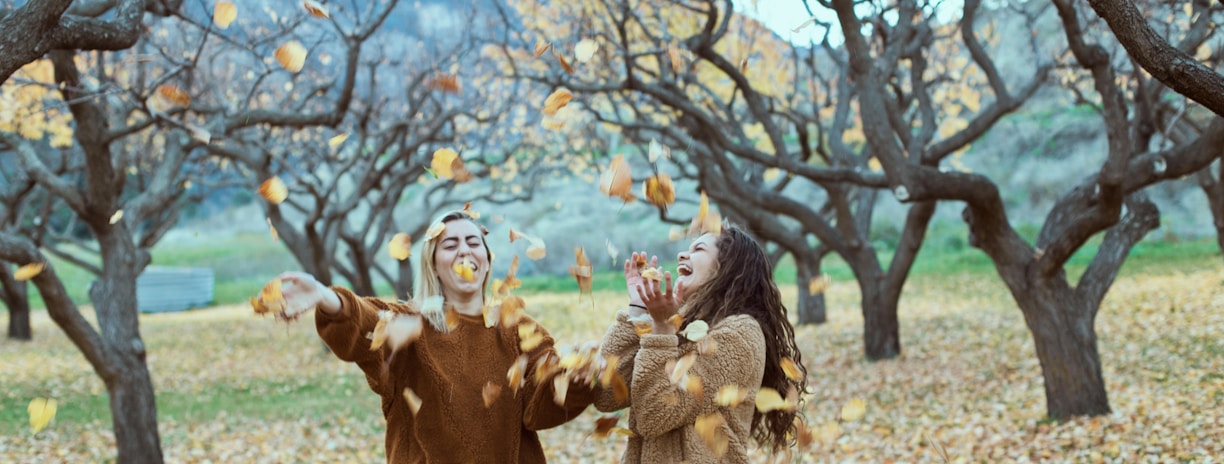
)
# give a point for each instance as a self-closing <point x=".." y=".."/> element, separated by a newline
<point x="622" y="342"/>
<point x="661" y="407"/>
<point x="540" y="410"/>
<point x="345" y="333"/>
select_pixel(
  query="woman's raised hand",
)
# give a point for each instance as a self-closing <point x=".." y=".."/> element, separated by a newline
<point x="302" y="292"/>
<point x="633" y="280"/>
<point x="660" y="302"/>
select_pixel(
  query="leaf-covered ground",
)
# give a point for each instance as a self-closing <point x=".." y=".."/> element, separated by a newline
<point x="233" y="387"/>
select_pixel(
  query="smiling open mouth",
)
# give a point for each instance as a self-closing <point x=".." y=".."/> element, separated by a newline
<point x="684" y="270"/>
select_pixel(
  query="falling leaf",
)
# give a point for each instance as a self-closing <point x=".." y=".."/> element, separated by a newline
<point x="743" y="66"/>
<point x="529" y="337"/>
<point x="564" y="64"/>
<point x="400" y="246"/>
<point x="224" y="13"/>
<point x="682" y="367"/>
<point x="804" y="24"/>
<point x="696" y="330"/>
<point x="642" y="325"/>
<point x="28" y="271"/>
<point x="272" y="229"/>
<point x="291" y="56"/>
<point x="818" y="284"/>
<point x="41" y="410"/>
<point x="537" y="250"/>
<point x="707" y="346"/>
<point x="791" y="369"/>
<point x="675" y="233"/>
<point x="511" y="309"/>
<point x="560" y="388"/>
<point x="853" y="410"/>
<point x="451" y="317"/>
<point x="652" y="273"/>
<point x="731" y="396"/>
<point x="174" y="95"/>
<point x="490" y="393"/>
<point x="515" y="375"/>
<point x="442" y="162"/>
<point x="335" y="142"/>
<point x="581" y="270"/>
<point x="771" y="174"/>
<point x="705" y="221"/>
<point x="604" y="425"/>
<point x="617" y="179"/>
<point x="448" y="83"/>
<point x="116" y="217"/>
<point x="803" y="435"/>
<point x="379" y="336"/>
<point x="692" y="385"/>
<point x="464" y="270"/>
<point x="657" y="150"/>
<point x="414" y="401"/>
<point x="673" y="55"/>
<point x="709" y="428"/>
<point x="613" y="252"/>
<point x="403" y="329"/>
<point x="467" y="209"/>
<point x="676" y="321"/>
<point x="768" y="399"/>
<point x="274" y="190"/>
<point x="271" y="299"/>
<point x="557" y="100"/>
<point x="659" y="191"/>
<point x="512" y="282"/>
<point x="316" y="9"/>
<point x="435" y="230"/>
<point x="540" y="47"/>
<point x="459" y="171"/>
<point x="585" y="49"/>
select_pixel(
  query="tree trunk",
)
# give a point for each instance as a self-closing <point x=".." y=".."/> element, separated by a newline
<point x="811" y="306"/>
<point x="1065" y="339"/>
<point x="132" y="401"/>
<point x="403" y="284"/>
<point x="1213" y="188"/>
<point x="881" y="330"/>
<point x="16" y="297"/>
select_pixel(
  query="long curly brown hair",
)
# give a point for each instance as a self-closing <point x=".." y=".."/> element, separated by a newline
<point x="743" y="283"/>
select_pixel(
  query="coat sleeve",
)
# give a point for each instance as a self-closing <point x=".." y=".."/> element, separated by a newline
<point x="345" y="333"/>
<point x="622" y="342"/>
<point x="661" y="407"/>
<point x="540" y="410"/>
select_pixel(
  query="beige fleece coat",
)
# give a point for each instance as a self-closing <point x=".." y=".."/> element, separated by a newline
<point x="662" y="415"/>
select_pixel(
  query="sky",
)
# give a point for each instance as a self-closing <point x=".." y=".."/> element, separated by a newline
<point x="783" y="16"/>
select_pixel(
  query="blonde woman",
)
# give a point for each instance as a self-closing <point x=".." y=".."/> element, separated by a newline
<point x="444" y="370"/>
<point x="725" y="282"/>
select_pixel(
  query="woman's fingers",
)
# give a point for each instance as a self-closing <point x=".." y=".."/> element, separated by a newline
<point x="667" y="288"/>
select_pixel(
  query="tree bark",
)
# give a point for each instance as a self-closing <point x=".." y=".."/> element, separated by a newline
<point x="17" y="298"/>
<point x="403" y="283"/>
<point x="1065" y="340"/>
<point x="810" y="306"/>
<point x="1213" y="188"/>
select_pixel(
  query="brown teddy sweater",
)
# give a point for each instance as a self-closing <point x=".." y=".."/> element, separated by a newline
<point x="448" y="372"/>
<point x="663" y="415"/>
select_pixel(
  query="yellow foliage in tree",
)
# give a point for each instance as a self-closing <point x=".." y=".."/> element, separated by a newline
<point x="22" y="107"/>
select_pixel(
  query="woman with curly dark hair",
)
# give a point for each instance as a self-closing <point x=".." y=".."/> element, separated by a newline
<point x="692" y="396"/>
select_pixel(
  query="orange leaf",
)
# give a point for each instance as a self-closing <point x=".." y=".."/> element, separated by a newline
<point x="28" y="271"/>
<point x="291" y="56"/>
<point x="582" y="270"/>
<point x="617" y="179"/>
<point x="659" y="191"/>
<point x="459" y="171"/>
<point x="673" y="55"/>
<point x="467" y="209"/>
<point x="510" y="309"/>
<point x="791" y="369"/>
<point x="400" y="246"/>
<point x="692" y="385"/>
<point x="540" y="47"/>
<point x="529" y="338"/>
<point x="515" y="375"/>
<point x="564" y="64"/>
<point x="705" y="221"/>
<point x="448" y="83"/>
<point x="224" y="13"/>
<point x="274" y="190"/>
<point x="490" y="393"/>
<point x="463" y="270"/>
<point x="414" y="401"/>
<point x="731" y="396"/>
<point x="604" y="425"/>
<point x="642" y="325"/>
<point x="709" y="428"/>
<point x="818" y="284"/>
<point x="557" y="100"/>
<point x="174" y="95"/>
<point x="316" y="9"/>
<point x="270" y="300"/>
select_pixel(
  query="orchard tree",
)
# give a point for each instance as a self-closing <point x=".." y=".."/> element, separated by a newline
<point x="1059" y="315"/>
<point x="773" y="134"/>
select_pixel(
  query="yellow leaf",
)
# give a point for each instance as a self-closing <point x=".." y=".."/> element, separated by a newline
<point x="291" y="56"/>
<point x="515" y="375"/>
<point x="28" y="271"/>
<point x="510" y="309"/>
<point x="560" y="388"/>
<point x="696" y="330"/>
<point x="316" y="9"/>
<point x="400" y="246"/>
<point x="682" y="367"/>
<point x="617" y="179"/>
<point x="442" y="162"/>
<point x="730" y="396"/>
<point x="537" y="250"/>
<point x="435" y="230"/>
<point x="529" y="338"/>
<point x="818" y="284"/>
<point x="557" y="100"/>
<point x="705" y="221"/>
<point x="116" y="217"/>
<point x="692" y="385"/>
<point x="464" y="270"/>
<point x="41" y="410"/>
<point x="709" y="428"/>
<point x="585" y="49"/>
<point x="224" y="13"/>
<point x="673" y="55"/>
<point x="659" y="191"/>
<point x="652" y="273"/>
<point x="274" y="190"/>
<point x="414" y="401"/>
<point x="379" y="336"/>
<point x="403" y="329"/>
<point x="336" y="141"/>
<point x="490" y="393"/>
<point x="791" y="369"/>
<point x="768" y="399"/>
<point x="271" y="299"/>
<point x="581" y="270"/>
<point x="854" y="410"/>
<point x="642" y="325"/>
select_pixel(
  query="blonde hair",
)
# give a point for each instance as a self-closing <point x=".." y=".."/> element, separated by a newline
<point x="427" y="282"/>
